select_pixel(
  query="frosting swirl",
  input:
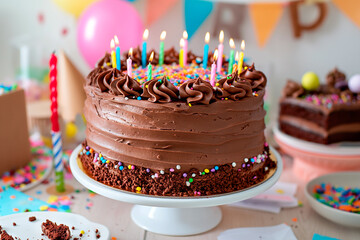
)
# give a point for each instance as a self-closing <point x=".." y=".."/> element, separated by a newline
<point x="125" y="86"/>
<point x="197" y="91"/>
<point x="256" y="78"/>
<point x="335" y="77"/>
<point x="293" y="89"/>
<point x="233" y="88"/>
<point x="105" y="78"/>
<point x="160" y="90"/>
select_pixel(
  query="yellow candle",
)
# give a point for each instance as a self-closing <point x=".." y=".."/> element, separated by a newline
<point x="181" y="53"/>
<point x="113" y="54"/>
<point x="241" y="57"/>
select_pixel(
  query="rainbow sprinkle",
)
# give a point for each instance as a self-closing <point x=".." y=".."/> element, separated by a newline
<point x="329" y="101"/>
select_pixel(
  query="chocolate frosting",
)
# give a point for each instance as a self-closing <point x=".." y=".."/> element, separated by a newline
<point x="104" y="79"/>
<point x="256" y="78"/>
<point x="335" y="77"/>
<point x="125" y="86"/>
<point x="160" y="90"/>
<point x="234" y="88"/>
<point x="293" y="89"/>
<point x="171" y="56"/>
<point x="197" y="91"/>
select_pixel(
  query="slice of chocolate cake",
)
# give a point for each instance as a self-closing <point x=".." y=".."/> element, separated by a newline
<point x="5" y="236"/>
<point x="54" y="231"/>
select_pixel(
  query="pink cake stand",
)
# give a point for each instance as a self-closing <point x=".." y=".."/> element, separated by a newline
<point x="312" y="160"/>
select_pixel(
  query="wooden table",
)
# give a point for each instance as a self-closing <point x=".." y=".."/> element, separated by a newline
<point x="116" y="216"/>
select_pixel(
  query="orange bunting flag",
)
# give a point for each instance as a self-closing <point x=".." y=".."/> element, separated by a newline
<point x="265" y="16"/>
<point x="155" y="9"/>
<point x="350" y="8"/>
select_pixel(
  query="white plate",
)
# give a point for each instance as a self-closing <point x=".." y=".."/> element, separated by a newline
<point x="340" y="179"/>
<point x="25" y="229"/>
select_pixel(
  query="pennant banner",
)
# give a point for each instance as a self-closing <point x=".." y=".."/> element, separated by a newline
<point x="155" y="9"/>
<point x="196" y="12"/>
<point x="351" y="8"/>
<point x="265" y="16"/>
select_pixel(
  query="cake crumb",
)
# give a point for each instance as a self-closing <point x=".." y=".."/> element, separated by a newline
<point x="14" y="223"/>
<point x="32" y="219"/>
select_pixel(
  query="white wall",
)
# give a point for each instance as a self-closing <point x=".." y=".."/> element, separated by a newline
<point x="335" y="43"/>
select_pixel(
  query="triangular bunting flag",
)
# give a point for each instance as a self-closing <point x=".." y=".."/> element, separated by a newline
<point x="71" y="94"/>
<point x="350" y="8"/>
<point x="196" y="12"/>
<point x="265" y="16"/>
<point x="155" y="9"/>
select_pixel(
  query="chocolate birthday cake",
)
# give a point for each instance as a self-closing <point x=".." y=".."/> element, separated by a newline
<point x="175" y="134"/>
<point x="328" y="114"/>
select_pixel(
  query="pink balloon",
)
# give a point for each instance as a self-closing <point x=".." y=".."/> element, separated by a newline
<point x="101" y="21"/>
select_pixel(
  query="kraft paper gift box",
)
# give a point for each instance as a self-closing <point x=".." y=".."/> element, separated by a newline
<point x="14" y="136"/>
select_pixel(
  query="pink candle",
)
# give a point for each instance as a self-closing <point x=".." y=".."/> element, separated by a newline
<point x="213" y="69"/>
<point x="53" y="93"/>
<point x="185" y="47"/>
<point x="129" y="63"/>
<point x="221" y="51"/>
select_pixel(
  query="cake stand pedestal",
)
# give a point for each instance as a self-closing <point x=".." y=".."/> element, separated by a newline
<point x="176" y="216"/>
<point x="312" y="160"/>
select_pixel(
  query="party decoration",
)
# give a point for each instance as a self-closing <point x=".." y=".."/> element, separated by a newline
<point x="100" y="21"/>
<point x="149" y="71"/>
<point x="144" y="48"/>
<point x="298" y="28"/>
<point x="213" y="69"/>
<point x="185" y="47"/>
<point x="70" y="130"/>
<point x="354" y="83"/>
<point x="206" y="50"/>
<point x="181" y="53"/>
<point x="161" y="49"/>
<point x="113" y="54"/>
<point x="129" y="63"/>
<point x="71" y="94"/>
<point x="350" y="8"/>
<point x="220" y="51"/>
<point x="310" y="81"/>
<point x="231" y="55"/>
<point x="118" y="55"/>
<point x="265" y="16"/>
<point x="155" y="9"/>
<point x="196" y="12"/>
<point x="73" y="7"/>
<point x="241" y="57"/>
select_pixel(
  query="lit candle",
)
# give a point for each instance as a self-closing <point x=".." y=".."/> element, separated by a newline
<point x="129" y="63"/>
<point x="213" y="69"/>
<point x="161" y="52"/>
<point x="185" y="47"/>
<point x="149" y="71"/>
<point x="118" y="56"/>
<point x="113" y="55"/>
<point x="231" y="56"/>
<point x="181" y="53"/>
<point x="143" y="53"/>
<point x="206" y="50"/>
<point x="221" y="51"/>
<point x="236" y="62"/>
<point x="241" y="57"/>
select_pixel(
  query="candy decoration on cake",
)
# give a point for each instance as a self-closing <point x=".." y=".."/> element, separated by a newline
<point x="310" y="81"/>
<point x="206" y="50"/>
<point x="354" y="83"/>
<point x="220" y="51"/>
<point x="55" y="129"/>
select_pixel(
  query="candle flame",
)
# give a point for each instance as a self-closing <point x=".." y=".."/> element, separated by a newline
<point x="116" y="40"/>
<point x="243" y="45"/>
<point x="130" y="52"/>
<point x="232" y="43"/>
<point x="112" y="44"/>
<point x="151" y="56"/>
<point x="182" y="42"/>
<point x="207" y="37"/>
<point x="221" y="36"/>
<point x="185" y="35"/>
<point x="215" y="55"/>
<point x="146" y="34"/>
<point x="237" y="56"/>
<point x="163" y="35"/>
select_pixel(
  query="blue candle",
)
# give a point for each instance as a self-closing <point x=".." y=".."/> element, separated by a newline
<point x="118" y="56"/>
<point x="144" y="45"/>
<point x="206" y="50"/>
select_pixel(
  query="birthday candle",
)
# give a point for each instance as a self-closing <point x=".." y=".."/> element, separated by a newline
<point x="236" y="62"/>
<point x="161" y="52"/>
<point x="221" y="51"/>
<point x="213" y="69"/>
<point x="129" y="63"/>
<point x="113" y="55"/>
<point x="206" y="50"/>
<point x="181" y="53"/>
<point x="144" y="45"/>
<point x="231" y="56"/>
<point x="185" y="47"/>
<point x="149" y="71"/>
<point x="118" y="56"/>
<point x="241" y="57"/>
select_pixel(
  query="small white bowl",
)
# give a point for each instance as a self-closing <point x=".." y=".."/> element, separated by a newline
<point x="340" y="179"/>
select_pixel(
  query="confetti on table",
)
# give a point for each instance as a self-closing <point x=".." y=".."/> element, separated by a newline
<point x="342" y="198"/>
<point x="62" y="203"/>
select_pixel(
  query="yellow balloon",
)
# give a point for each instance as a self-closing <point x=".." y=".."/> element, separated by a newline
<point x="71" y="130"/>
<point x="74" y="7"/>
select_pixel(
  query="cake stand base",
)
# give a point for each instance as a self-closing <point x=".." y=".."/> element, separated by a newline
<point x="176" y="221"/>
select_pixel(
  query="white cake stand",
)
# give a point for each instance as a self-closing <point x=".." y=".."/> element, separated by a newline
<point x="176" y="216"/>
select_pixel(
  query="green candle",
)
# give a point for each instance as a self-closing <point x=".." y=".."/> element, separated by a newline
<point x="161" y="52"/>
<point x="149" y="70"/>
<point x="231" y="57"/>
